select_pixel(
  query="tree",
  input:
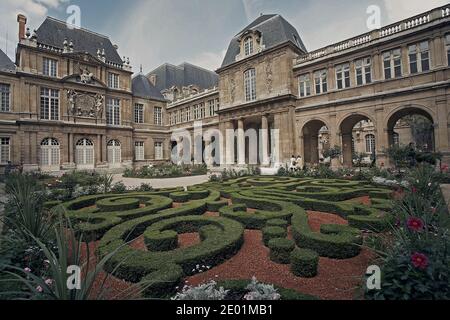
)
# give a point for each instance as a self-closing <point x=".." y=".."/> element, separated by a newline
<point x="332" y="153"/>
<point x="399" y="155"/>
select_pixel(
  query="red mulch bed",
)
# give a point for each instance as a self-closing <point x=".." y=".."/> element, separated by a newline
<point x="337" y="279"/>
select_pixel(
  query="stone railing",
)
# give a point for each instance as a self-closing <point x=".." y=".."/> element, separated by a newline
<point x="393" y="29"/>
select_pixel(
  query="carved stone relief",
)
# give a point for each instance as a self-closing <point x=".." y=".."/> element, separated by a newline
<point x="85" y="104"/>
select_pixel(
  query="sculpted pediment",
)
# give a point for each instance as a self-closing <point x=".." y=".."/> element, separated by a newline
<point x="85" y="77"/>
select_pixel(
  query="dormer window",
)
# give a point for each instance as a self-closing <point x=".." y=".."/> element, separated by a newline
<point x="248" y="46"/>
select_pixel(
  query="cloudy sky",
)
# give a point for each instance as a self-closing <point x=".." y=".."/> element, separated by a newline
<point x="152" y="32"/>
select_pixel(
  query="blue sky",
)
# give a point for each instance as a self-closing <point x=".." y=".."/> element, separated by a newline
<point x="152" y="32"/>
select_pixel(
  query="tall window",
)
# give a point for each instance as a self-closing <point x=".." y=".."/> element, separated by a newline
<point x="250" y="85"/>
<point x="320" y="81"/>
<point x="248" y="46"/>
<point x="5" y="97"/>
<point x="85" y="153"/>
<point x="419" y="57"/>
<point x="363" y="71"/>
<point x="159" y="155"/>
<point x="396" y="139"/>
<point x="188" y="114"/>
<point x="5" y="150"/>
<point x="370" y="143"/>
<point x="158" y="116"/>
<point x="217" y="105"/>
<point x="113" y="80"/>
<point x="196" y="112"/>
<point x="50" y="67"/>
<point x="138" y="113"/>
<point x="113" y="112"/>
<point x="139" y="150"/>
<point x="304" y="84"/>
<point x="392" y="64"/>
<point x="343" y="76"/>
<point x="202" y="111"/>
<point x="50" y="154"/>
<point x="114" y="152"/>
<point x="211" y="108"/>
<point x="49" y="104"/>
<point x="447" y="46"/>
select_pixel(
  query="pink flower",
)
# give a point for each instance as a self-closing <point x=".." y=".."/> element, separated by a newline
<point x="415" y="224"/>
<point x="414" y="190"/>
<point x="444" y="168"/>
<point x="27" y="270"/>
<point x="49" y="282"/>
<point x="419" y="261"/>
<point x="39" y="289"/>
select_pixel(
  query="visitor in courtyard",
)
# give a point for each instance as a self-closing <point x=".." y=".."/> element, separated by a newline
<point x="293" y="165"/>
<point x="299" y="163"/>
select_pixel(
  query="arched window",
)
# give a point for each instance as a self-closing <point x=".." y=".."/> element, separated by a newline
<point x="50" y="155"/>
<point x="248" y="46"/>
<point x="370" y="143"/>
<point x="85" y="153"/>
<point x="396" y="139"/>
<point x="250" y="85"/>
<point x="114" y="152"/>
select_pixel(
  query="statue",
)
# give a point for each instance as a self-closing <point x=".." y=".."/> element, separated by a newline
<point x="99" y="105"/>
<point x="86" y="76"/>
<point x="71" y="96"/>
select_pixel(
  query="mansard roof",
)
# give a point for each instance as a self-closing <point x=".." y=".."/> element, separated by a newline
<point x="183" y="75"/>
<point x="6" y="64"/>
<point x="53" y="32"/>
<point x="274" y="29"/>
<point x="143" y="88"/>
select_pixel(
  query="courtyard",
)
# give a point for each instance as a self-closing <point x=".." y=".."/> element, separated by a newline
<point x="298" y="235"/>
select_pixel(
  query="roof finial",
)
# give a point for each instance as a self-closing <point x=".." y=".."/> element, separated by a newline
<point x="141" y="68"/>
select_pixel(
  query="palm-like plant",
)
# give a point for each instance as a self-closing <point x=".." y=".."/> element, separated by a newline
<point x="28" y="216"/>
<point x="106" y="182"/>
<point x="54" y="284"/>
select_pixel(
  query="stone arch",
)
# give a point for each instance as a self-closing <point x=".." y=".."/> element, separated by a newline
<point x="346" y="128"/>
<point x="398" y="113"/>
<point x="310" y="133"/>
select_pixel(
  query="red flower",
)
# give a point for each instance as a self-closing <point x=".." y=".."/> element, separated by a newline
<point x="415" y="224"/>
<point x="414" y="190"/>
<point x="444" y="168"/>
<point x="420" y="261"/>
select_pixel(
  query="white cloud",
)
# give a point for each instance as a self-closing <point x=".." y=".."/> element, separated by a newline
<point x="34" y="10"/>
<point x="402" y="9"/>
<point x="209" y="60"/>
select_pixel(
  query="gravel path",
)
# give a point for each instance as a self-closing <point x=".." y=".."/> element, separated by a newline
<point x="162" y="183"/>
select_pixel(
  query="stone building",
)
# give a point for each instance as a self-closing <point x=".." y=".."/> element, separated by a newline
<point x="71" y="102"/>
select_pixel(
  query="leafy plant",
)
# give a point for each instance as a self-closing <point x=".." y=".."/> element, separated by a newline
<point x="106" y="182"/>
<point x="259" y="291"/>
<point x="207" y="291"/>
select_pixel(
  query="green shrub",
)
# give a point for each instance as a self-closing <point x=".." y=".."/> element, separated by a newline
<point x="180" y="197"/>
<point x="161" y="241"/>
<point x="270" y="233"/>
<point x="280" y="250"/>
<point x="277" y="223"/>
<point x="304" y="263"/>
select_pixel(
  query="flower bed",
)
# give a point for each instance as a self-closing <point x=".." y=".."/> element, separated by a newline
<point x="166" y="171"/>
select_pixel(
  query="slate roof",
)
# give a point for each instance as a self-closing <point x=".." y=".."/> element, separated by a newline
<point x="184" y="75"/>
<point x="275" y="30"/>
<point x="143" y="88"/>
<point x="5" y="63"/>
<point x="53" y="32"/>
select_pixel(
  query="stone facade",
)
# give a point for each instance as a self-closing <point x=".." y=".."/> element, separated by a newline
<point x="267" y="81"/>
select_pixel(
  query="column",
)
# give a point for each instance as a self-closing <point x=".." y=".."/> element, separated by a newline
<point x="241" y="143"/>
<point x="347" y="149"/>
<point x="264" y="141"/>
<point x="98" y="149"/>
<point x="71" y="149"/>
<point x="103" y="149"/>
<point x="229" y="141"/>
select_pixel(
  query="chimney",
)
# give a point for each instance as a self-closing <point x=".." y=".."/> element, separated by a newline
<point x="22" y="20"/>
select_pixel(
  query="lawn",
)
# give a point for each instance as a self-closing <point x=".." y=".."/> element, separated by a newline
<point x="305" y="236"/>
